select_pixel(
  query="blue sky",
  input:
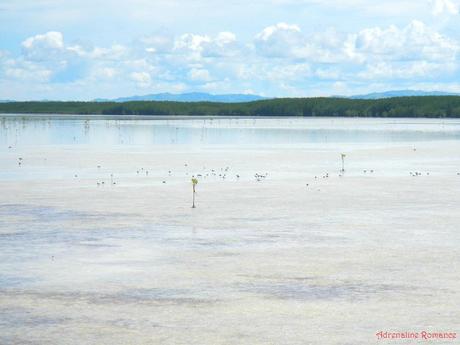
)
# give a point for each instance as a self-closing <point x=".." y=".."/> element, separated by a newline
<point x="81" y="50"/>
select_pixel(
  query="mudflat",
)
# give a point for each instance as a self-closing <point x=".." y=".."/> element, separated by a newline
<point x="99" y="243"/>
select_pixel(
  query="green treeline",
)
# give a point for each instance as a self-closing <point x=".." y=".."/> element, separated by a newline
<point x="423" y="106"/>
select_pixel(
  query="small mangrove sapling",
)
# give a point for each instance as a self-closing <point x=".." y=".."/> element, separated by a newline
<point x="194" y="183"/>
<point x="343" y="155"/>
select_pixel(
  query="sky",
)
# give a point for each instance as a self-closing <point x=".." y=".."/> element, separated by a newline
<point x="87" y="49"/>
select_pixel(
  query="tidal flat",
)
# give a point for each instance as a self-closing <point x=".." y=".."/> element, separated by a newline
<point x="99" y="243"/>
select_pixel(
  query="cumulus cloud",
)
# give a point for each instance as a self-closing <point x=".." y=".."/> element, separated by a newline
<point x="43" y="46"/>
<point x="197" y="47"/>
<point x="51" y="45"/>
<point x="280" y="59"/>
<point x="288" y="41"/>
<point x="279" y="40"/>
<point x="224" y="44"/>
<point x="191" y="42"/>
<point x="52" y="39"/>
<point x="413" y="42"/>
<point x="48" y="58"/>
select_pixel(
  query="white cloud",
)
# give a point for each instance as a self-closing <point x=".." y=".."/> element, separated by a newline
<point x="442" y="7"/>
<point x="278" y="29"/>
<point x="277" y="60"/>
<point x="142" y="79"/>
<point x="288" y="41"/>
<point x="413" y="42"/>
<point x="279" y="40"/>
<point x="51" y="46"/>
<point x="225" y="44"/>
<point x="43" y="46"/>
<point x="51" y="39"/>
<point x="19" y="69"/>
<point x="198" y="47"/>
<point x="158" y="43"/>
<point x="191" y="42"/>
<point x="224" y="38"/>
<point x="408" y="70"/>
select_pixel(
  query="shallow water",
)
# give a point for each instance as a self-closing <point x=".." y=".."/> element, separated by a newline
<point x="295" y="257"/>
<point x="23" y="131"/>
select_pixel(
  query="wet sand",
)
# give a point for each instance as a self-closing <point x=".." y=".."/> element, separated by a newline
<point x="261" y="260"/>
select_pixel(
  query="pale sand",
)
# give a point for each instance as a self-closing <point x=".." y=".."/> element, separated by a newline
<point x="269" y="262"/>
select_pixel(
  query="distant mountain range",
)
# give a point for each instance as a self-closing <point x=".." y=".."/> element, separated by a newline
<point x="403" y="93"/>
<point x="188" y="97"/>
<point x="239" y="98"/>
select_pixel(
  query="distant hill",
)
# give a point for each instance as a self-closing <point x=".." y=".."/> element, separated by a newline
<point x="403" y="93"/>
<point x="188" y="97"/>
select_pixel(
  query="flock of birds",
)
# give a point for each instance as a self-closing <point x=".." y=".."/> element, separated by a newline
<point x="417" y="173"/>
<point x="220" y="173"/>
